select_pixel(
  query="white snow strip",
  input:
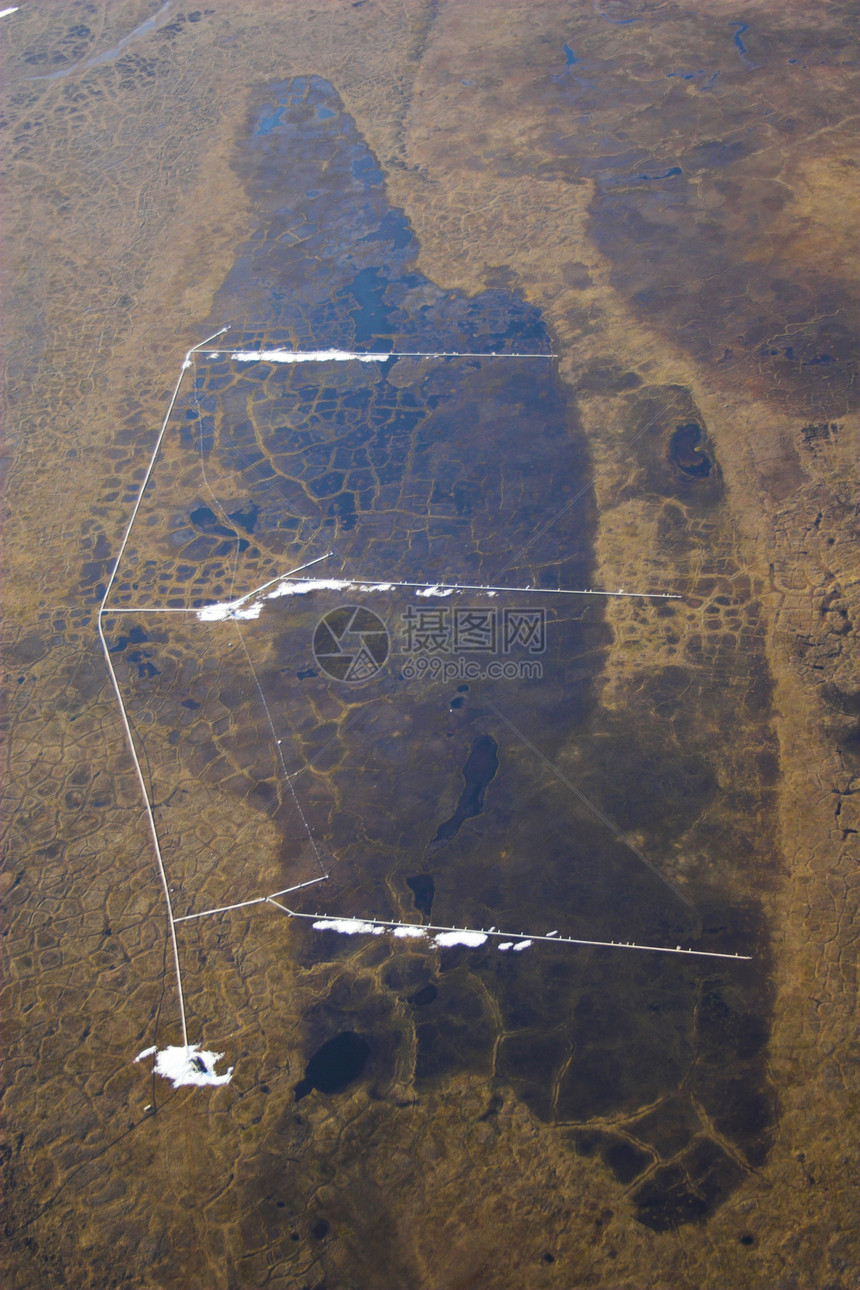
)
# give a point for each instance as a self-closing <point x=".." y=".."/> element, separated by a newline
<point x="147" y="1052"/>
<point x="245" y="607"/>
<point x="348" y="926"/>
<point x="190" y="1065"/>
<point x="301" y="586"/>
<point x="303" y="356"/>
<point x="472" y="939"/>
<point x="523" y="945"/>
<point x="357" y="926"/>
<point x="250" y="605"/>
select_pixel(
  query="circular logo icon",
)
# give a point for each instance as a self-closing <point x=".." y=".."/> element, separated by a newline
<point x="351" y="644"/>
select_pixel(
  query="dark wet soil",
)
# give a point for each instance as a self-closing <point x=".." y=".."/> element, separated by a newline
<point x="335" y="1066"/>
<point x="685" y="454"/>
<point x="423" y="890"/>
<point x="447" y="469"/>
<point x="480" y="769"/>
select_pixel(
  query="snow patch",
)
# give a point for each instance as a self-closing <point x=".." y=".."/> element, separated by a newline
<point x="191" y="1065"/>
<point x="247" y="607"/>
<point x="359" y="926"/>
<point x="228" y="609"/>
<point x="472" y="939"/>
<point x="303" y="356"/>
<point x="301" y="586"/>
<point x="348" y="926"/>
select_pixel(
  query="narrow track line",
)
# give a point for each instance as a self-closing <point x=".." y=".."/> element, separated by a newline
<point x="552" y="937"/>
<point x="150" y="814"/>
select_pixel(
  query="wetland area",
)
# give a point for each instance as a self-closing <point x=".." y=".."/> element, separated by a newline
<point x="603" y="254"/>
